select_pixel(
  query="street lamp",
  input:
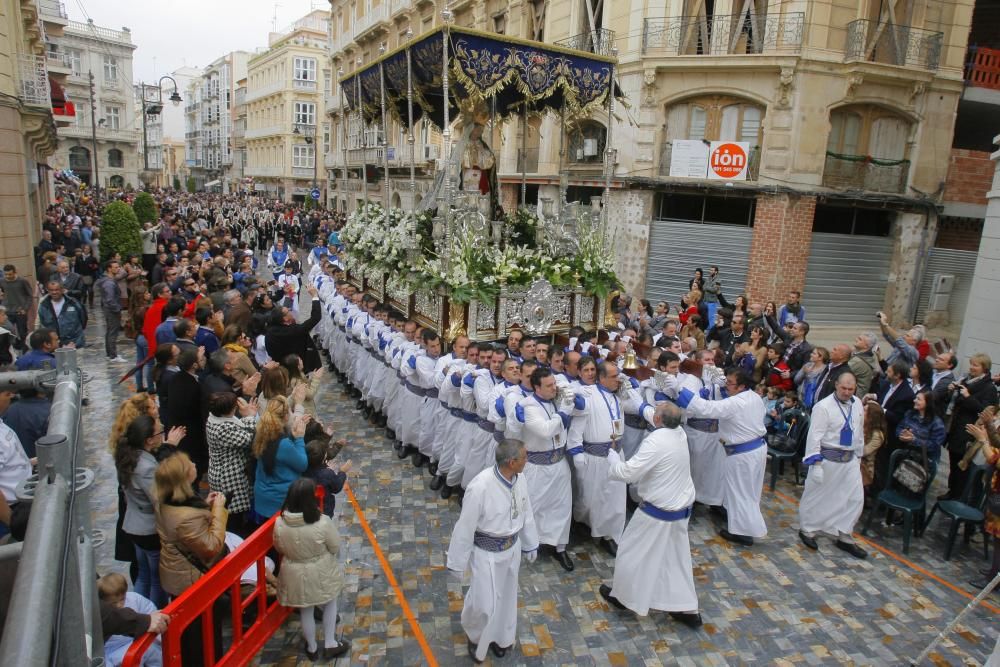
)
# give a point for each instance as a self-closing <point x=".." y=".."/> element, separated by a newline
<point x="308" y="132"/>
<point x="153" y="107"/>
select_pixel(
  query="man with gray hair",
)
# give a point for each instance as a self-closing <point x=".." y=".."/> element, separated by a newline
<point x="863" y="363"/>
<point x="904" y="344"/>
<point x="495" y="527"/>
<point x="653" y="565"/>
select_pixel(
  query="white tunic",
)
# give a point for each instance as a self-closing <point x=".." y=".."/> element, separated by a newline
<point x="741" y="419"/>
<point x="481" y="445"/>
<point x="834" y="504"/>
<point x="598" y="501"/>
<point x="708" y="459"/>
<point x="653" y="566"/>
<point x="499" y="508"/>
<point x="549" y="486"/>
<point x="450" y="396"/>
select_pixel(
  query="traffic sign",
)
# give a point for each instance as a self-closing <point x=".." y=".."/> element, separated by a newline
<point x="314" y="194"/>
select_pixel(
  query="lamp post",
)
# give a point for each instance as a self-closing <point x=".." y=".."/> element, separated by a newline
<point x="153" y="107"/>
<point x="308" y="132"/>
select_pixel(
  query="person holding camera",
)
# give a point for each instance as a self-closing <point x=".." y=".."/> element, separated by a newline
<point x="970" y="396"/>
<point x="904" y="344"/>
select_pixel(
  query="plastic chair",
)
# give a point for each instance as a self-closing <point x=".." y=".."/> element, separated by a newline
<point x="897" y="497"/>
<point x="968" y="509"/>
<point x="798" y="429"/>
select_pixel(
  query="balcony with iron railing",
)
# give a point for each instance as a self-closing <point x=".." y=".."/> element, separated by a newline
<point x="982" y="69"/>
<point x="399" y="6"/>
<point x="666" y="154"/>
<point x="376" y="17"/>
<point x="864" y="172"/>
<point x="599" y="42"/>
<point x="33" y="80"/>
<point x="58" y="62"/>
<point x="724" y="35"/>
<point x="892" y="44"/>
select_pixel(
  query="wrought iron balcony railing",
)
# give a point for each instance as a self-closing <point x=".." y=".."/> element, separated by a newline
<point x="891" y="44"/>
<point x="863" y="172"/>
<point x="597" y="41"/>
<point x="735" y="34"/>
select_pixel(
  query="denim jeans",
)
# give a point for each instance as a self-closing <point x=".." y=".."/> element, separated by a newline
<point x="144" y="377"/>
<point x="148" y="582"/>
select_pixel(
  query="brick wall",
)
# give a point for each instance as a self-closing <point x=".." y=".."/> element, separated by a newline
<point x="970" y="176"/>
<point x="780" y="248"/>
<point x="959" y="234"/>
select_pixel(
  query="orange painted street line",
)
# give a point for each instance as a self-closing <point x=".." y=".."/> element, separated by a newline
<point x="905" y="561"/>
<point x="407" y="612"/>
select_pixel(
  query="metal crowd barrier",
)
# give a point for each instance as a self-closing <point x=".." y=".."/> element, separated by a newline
<point x="53" y="614"/>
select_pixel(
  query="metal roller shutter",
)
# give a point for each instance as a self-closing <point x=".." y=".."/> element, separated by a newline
<point x="846" y="278"/>
<point x="677" y="248"/>
<point x="960" y="263"/>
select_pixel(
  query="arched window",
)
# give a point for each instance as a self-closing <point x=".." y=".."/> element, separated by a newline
<point x="117" y="181"/>
<point x="79" y="159"/>
<point x="867" y="149"/>
<point x="115" y="158"/>
<point x="587" y="141"/>
<point x="713" y="118"/>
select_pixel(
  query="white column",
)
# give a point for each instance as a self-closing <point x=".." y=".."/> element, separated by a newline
<point x="981" y="330"/>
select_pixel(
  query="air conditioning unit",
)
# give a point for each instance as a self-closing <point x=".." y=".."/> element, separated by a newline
<point x="942" y="285"/>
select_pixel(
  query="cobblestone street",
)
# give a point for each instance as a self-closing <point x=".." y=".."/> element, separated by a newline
<point x="777" y="602"/>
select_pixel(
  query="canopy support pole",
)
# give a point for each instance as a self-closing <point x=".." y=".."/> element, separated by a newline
<point x="609" y="165"/>
<point x="410" y="139"/>
<point x="343" y="137"/>
<point x="524" y="155"/>
<point x="364" y="137"/>
<point x="385" y="139"/>
<point x="447" y="16"/>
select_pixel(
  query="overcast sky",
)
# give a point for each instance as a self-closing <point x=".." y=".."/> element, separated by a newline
<point x="175" y="33"/>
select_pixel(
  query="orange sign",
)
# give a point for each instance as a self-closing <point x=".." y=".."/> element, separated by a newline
<point x="728" y="160"/>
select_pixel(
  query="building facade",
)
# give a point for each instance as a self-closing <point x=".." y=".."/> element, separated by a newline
<point x="843" y="113"/>
<point x="100" y="58"/>
<point x="210" y="112"/>
<point x="28" y="137"/>
<point x="285" y="102"/>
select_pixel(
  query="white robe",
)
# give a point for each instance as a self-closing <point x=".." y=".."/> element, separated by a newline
<point x="653" y="566"/>
<point x="489" y="614"/>
<point x="741" y="419"/>
<point x="481" y="446"/>
<point x="708" y="459"/>
<point x="549" y="486"/>
<point x="450" y="397"/>
<point x="597" y="501"/>
<point x="834" y="505"/>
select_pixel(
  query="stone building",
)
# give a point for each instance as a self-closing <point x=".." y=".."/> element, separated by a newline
<point x="101" y="58"/>
<point x="32" y="75"/>
<point x="285" y="128"/>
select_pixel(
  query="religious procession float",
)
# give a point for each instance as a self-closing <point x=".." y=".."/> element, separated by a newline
<point x="457" y="262"/>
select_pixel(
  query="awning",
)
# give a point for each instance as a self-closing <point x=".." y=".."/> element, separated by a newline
<point x="486" y="70"/>
<point x="212" y="183"/>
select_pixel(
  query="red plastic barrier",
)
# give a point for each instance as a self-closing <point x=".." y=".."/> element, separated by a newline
<point x="197" y="601"/>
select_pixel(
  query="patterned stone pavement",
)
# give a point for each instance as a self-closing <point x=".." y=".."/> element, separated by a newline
<point x="777" y="603"/>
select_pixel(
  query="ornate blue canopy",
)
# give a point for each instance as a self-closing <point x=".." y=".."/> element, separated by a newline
<point x="502" y="71"/>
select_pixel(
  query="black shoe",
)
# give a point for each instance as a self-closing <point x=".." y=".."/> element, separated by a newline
<point x="851" y="548"/>
<point x="497" y="650"/>
<point x="389" y="433"/>
<point x="432" y="468"/>
<point x="736" y="539"/>
<point x="472" y="653"/>
<point x="437" y="482"/>
<point x="609" y="545"/>
<point x="563" y="559"/>
<point x="84" y="402"/>
<point x="361" y="405"/>
<point x="808" y="541"/>
<point x="987" y="572"/>
<point x="445" y="492"/>
<point x="335" y="652"/>
<point x="605" y="592"/>
<point x="397" y="445"/>
<point x="403" y="452"/>
<point x="312" y="655"/>
<point x="692" y="619"/>
<point x="418" y="459"/>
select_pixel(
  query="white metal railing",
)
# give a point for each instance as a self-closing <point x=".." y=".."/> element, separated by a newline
<point x="263" y="171"/>
<point x="53" y="8"/>
<point x="269" y="131"/>
<point x="303" y="84"/>
<point x="376" y="15"/>
<point x="104" y="33"/>
<point x="34" y="77"/>
<point x="303" y="172"/>
<point x="333" y="159"/>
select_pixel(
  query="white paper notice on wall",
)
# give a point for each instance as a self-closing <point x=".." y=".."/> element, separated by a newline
<point x="689" y="158"/>
<point x="728" y="160"/>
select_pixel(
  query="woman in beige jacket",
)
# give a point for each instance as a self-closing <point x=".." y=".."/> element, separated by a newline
<point x="311" y="574"/>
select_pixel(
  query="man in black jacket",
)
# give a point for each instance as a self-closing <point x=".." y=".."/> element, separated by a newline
<point x="284" y="336"/>
<point x="896" y="398"/>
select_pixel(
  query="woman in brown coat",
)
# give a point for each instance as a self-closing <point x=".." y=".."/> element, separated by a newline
<point x="192" y="540"/>
<point x="311" y="574"/>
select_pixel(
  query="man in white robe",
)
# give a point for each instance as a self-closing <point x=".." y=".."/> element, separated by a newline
<point x="597" y="428"/>
<point x="741" y="433"/>
<point x="479" y="452"/>
<point x="834" y="496"/>
<point x="708" y="460"/>
<point x="467" y="429"/>
<point x="653" y="566"/>
<point x="495" y="527"/>
<point x="548" y="476"/>
<point x="449" y="393"/>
